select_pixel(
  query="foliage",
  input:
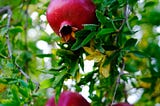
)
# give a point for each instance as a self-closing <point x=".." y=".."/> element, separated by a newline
<point x="124" y="46"/>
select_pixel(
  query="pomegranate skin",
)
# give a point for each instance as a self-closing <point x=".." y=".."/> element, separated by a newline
<point x="51" y="102"/>
<point x="122" y="104"/>
<point x="68" y="98"/>
<point x="73" y="13"/>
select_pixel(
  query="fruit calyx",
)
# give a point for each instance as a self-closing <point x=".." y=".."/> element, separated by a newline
<point x="67" y="32"/>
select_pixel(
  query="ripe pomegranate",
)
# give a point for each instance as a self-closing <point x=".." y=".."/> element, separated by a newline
<point x="122" y="104"/>
<point x="51" y="102"/>
<point x="67" y="16"/>
<point x="68" y="98"/>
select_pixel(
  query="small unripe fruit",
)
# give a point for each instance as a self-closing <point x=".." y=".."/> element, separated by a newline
<point x="68" y="16"/>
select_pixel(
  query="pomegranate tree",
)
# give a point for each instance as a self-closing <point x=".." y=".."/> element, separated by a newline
<point x="67" y="16"/>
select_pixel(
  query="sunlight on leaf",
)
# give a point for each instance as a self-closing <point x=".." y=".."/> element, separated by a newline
<point x="104" y="70"/>
<point x="93" y="55"/>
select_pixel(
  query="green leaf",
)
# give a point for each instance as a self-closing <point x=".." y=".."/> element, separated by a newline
<point x="15" y="94"/>
<point x="59" y="78"/>
<point x="86" y="78"/>
<point x="23" y="83"/>
<point x="101" y="18"/>
<point x="15" y="30"/>
<point x="88" y="38"/>
<point x="91" y="27"/>
<point x="149" y="4"/>
<point x="130" y="68"/>
<point x="147" y="79"/>
<point x="10" y="65"/>
<point x="130" y="43"/>
<point x="59" y="68"/>
<point x="44" y="55"/>
<point x="3" y="31"/>
<point x="46" y="83"/>
<point x="110" y="58"/>
<point x="105" y="31"/>
<point x="65" y="53"/>
<point x="24" y="91"/>
<point x="13" y="103"/>
<point x="139" y="54"/>
<point x="74" y="68"/>
<point x="31" y="84"/>
<point x="80" y="36"/>
<point x="81" y="43"/>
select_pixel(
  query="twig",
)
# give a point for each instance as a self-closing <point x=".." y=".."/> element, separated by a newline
<point x="127" y="22"/>
<point x="9" y="12"/>
<point x="27" y="77"/>
<point x="26" y="23"/>
<point x="25" y="31"/>
<point x="4" y="9"/>
<point x="118" y="82"/>
<point x="126" y="14"/>
<point x="21" y="70"/>
<point x="7" y="35"/>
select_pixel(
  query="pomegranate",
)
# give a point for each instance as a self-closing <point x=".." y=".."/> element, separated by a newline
<point x="122" y="104"/>
<point x="68" y="98"/>
<point x="67" y="16"/>
<point x="51" y="102"/>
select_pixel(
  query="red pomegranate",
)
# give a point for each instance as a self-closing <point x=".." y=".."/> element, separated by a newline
<point x="51" y="102"/>
<point x="122" y="104"/>
<point x="68" y="98"/>
<point x="68" y="16"/>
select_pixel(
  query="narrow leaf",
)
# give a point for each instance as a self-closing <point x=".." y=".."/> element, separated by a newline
<point x="130" y="43"/>
<point x="82" y="42"/>
<point x="101" y="18"/>
<point x="105" y="31"/>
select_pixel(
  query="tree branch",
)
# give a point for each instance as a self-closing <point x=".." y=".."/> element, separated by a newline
<point x="26" y="23"/>
<point x="118" y="81"/>
<point x="21" y="70"/>
<point x="7" y="10"/>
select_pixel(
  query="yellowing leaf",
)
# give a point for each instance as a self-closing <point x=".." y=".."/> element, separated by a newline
<point x="96" y="56"/>
<point x="104" y="70"/>
<point x="89" y="50"/>
<point x="93" y="54"/>
<point x="158" y="99"/>
<point x="144" y="84"/>
<point x="156" y="89"/>
<point x="54" y="51"/>
<point x="78" y="77"/>
<point x="2" y="87"/>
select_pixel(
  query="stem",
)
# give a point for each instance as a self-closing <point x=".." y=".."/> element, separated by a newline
<point x="9" y="12"/>
<point x="26" y="24"/>
<point x="7" y="35"/>
<point x="118" y="82"/>
<point x="127" y="22"/>
<point x="21" y="70"/>
<point x="125" y="17"/>
<point x="25" y="32"/>
<point x="27" y="76"/>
